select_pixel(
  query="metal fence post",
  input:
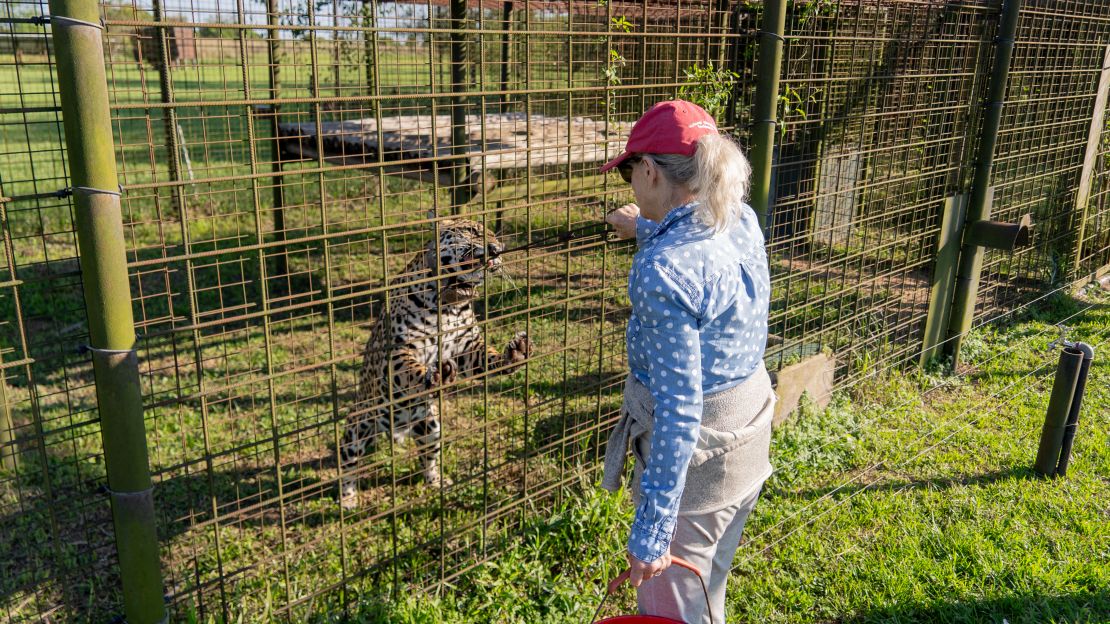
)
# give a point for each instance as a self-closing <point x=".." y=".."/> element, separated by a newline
<point x="83" y="91"/>
<point x="461" y="191"/>
<point x="1094" y="141"/>
<point x="944" y="276"/>
<point x="506" y="54"/>
<point x="1055" y="420"/>
<point x="163" y="58"/>
<point x="766" y="104"/>
<point x="273" y="59"/>
<point x="971" y="255"/>
<point x="1072" y="422"/>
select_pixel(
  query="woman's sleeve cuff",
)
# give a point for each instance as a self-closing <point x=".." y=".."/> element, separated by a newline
<point x="650" y="542"/>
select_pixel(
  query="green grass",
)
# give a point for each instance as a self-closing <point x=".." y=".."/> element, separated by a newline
<point x="910" y="499"/>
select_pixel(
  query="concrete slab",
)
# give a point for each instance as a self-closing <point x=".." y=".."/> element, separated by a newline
<point x="813" y="375"/>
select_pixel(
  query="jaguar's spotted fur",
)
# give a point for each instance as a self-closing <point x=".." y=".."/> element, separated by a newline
<point x="403" y="360"/>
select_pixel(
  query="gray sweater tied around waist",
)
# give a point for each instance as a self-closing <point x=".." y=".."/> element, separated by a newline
<point x="732" y="457"/>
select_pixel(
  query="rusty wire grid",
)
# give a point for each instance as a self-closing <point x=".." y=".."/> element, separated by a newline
<point x="877" y="101"/>
<point x="282" y="164"/>
<point x="57" y="548"/>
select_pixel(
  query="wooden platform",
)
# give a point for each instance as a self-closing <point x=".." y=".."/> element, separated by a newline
<point x="511" y="141"/>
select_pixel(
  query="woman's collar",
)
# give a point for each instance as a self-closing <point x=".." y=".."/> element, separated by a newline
<point x="672" y="216"/>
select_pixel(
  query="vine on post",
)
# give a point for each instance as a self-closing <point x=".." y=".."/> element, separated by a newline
<point x="709" y="87"/>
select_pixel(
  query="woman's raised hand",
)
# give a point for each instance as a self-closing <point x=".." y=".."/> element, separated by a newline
<point x="623" y="220"/>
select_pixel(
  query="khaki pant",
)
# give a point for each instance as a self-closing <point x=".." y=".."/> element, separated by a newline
<point x="709" y="541"/>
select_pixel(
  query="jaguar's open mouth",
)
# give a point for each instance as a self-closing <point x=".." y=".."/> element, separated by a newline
<point x="466" y="285"/>
<point x="466" y="282"/>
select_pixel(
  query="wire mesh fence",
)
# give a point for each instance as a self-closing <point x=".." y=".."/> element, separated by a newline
<point x="57" y="547"/>
<point x="285" y="166"/>
<point x="1052" y="138"/>
<point x="878" y="99"/>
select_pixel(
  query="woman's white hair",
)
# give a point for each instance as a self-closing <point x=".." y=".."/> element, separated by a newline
<point x="718" y="173"/>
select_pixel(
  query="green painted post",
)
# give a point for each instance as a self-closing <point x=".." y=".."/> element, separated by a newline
<point x="83" y="90"/>
<point x="1072" y="422"/>
<point x="1059" y="404"/>
<point x="982" y="194"/>
<point x="766" y="105"/>
<point x="944" y="276"/>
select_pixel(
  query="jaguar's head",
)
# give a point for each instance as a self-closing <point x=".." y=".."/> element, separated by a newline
<point x="466" y="251"/>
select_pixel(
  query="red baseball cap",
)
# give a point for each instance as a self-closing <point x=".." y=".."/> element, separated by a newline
<point x="670" y="127"/>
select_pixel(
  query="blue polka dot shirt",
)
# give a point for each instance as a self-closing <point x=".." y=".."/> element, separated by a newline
<point x="698" y="326"/>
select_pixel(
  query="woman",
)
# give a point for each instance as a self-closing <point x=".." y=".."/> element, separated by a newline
<point x="698" y="402"/>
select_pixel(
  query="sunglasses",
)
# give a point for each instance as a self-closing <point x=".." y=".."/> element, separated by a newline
<point x="625" y="168"/>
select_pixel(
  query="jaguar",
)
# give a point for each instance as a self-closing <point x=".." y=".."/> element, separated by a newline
<point x="428" y="337"/>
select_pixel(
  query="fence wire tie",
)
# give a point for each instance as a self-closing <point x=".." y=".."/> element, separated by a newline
<point x="87" y="348"/>
<point x="88" y="190"/>
<point x="65" y="22"/>
<point x="83" y="349"/>
<point x="135" y="494"/>
<point x="767" y="33"/>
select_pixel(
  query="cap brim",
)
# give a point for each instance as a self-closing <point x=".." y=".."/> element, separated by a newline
<point x="616" y="161"/>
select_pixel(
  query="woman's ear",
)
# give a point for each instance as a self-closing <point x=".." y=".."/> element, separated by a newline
<point x="651" y="171"/>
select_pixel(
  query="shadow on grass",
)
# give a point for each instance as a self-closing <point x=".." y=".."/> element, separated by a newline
<point x="938" y="483"/>
<point x="1091" y="606"/>
<point x="57" y="548"/>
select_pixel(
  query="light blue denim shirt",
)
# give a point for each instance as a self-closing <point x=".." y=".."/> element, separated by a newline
<point x="698" y="326"/>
